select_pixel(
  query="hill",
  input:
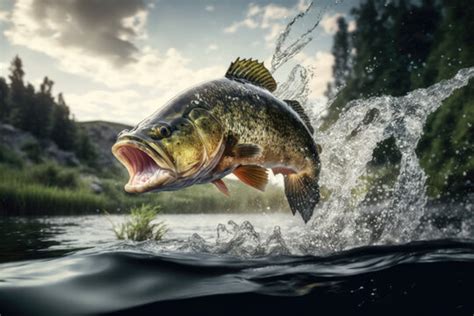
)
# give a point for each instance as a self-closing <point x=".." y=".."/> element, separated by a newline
<point x="102" y="135"/>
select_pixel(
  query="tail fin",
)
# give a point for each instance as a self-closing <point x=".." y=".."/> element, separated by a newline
<point x="302" y="193"/>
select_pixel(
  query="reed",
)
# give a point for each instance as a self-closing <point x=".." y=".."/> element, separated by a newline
<point x="142" y="225"/>
<point x="51" y="189"/>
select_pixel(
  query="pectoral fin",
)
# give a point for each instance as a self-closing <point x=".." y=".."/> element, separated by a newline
<point x="220" y="185"/>
<point x="252" y="175"/>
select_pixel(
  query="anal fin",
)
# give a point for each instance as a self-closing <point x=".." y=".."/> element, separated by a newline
<point x="220" y="185"/>
<point x="252" y="175"/>
<point x="302" y="193"/>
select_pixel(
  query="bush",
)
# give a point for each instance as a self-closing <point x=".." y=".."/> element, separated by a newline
<point x="140" y="226"/>
<point x="9" y="157"/>
<point x="33" y="151"/>
<point x="52" y="175"/>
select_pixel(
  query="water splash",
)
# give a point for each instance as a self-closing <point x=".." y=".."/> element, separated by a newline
<point x="239" y="240"/>
<point x="296" y="86"/>
<point x="347" y="149"/>
<point x="289" y="44"/>
<point x="344" y="221"/>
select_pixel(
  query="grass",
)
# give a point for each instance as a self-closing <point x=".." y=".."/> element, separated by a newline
<point x="50" y="189"/>
<point x="36" y="199"/>
<point x="46" y="188"/>
<point x="141" y="225"/>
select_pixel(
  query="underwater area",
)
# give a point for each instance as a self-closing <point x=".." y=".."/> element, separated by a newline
<point x="392" y="250"/>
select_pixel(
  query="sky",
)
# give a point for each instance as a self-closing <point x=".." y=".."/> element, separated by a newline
<point x="121" y="60"/>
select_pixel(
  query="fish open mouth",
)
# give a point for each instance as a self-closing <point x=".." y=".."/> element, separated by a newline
<point x="143" y="166"/>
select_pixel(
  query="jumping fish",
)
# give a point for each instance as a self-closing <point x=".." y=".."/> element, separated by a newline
<point x="228" y="125"/>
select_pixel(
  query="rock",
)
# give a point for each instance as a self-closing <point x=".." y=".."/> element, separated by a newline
<point x="96" y="187"/>
<point x="103" y="135"/>
<point x="62" y="157"/>
<point x="22" y="143"/>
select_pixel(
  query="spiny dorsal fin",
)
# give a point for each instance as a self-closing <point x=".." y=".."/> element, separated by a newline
<point x="252" y="71"/>
<point x="296" y="106"/>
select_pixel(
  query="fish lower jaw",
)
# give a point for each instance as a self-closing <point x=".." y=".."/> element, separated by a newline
<point x="148" y="180"/>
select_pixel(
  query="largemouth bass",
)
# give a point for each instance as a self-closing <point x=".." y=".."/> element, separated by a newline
<point x="228" y="125"/>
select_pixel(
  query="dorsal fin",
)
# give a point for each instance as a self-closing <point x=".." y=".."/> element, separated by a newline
<point x="296" y="106"/>
<point x="252" y="71"/>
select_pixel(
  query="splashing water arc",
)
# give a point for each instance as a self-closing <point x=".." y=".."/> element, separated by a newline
<point x="341" y="222"/>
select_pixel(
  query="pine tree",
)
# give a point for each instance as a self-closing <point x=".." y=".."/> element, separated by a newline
<point x="4" y="105"/>
<point x="446" y="152"/>
<point x="341" y="51"/>
<point x="43" y="106"/>
<point x="85" y="151"/>
<point x="64" y="128"/>
<point x="17" y="96"/>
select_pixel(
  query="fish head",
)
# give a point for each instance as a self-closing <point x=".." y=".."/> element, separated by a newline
<point x="165" y="153"/>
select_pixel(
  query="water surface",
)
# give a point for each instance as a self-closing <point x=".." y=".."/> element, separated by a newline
<point x="249" y="264"/>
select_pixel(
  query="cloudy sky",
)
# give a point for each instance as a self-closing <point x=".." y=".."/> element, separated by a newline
<point x="120" y="60"/>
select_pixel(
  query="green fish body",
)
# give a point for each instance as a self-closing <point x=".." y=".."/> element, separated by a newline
<point x="229" y="125"/>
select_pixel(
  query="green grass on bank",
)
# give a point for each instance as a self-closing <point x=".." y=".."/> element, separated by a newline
<point x="34" y="189"/>
<point x="50" y="189"/>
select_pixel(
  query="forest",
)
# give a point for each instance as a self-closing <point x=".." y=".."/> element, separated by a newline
<point x="399" y="46"/>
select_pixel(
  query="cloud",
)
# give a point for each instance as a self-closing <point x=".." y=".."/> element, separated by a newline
<point x="212" y="47"/>
<point x="352" y="26"/>
<point x="3" y="67"/>
<point x="95" y="39"/>
<point x="105" y="28"/>
<point x="329" y="23"/>
<point x="120" y="105"/>
<point x="102" y="40"/>
<point x="270" y="18"/>
<point x="4" y="16"/>
<point x="209" y="8"/>
<point x="321" y="64"/>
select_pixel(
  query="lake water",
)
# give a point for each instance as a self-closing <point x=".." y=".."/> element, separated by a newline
<point x="75" y="265"/>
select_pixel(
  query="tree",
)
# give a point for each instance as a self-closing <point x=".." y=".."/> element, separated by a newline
<point x="43" y="105"/>
<point x="403" y="45"/>
<point x="341" y="51"/>
<point x="64" y="129"/>
<point x="4" y="105"/>
<point x="18" y="106"/>
<point x="85" y="151"/>
<point x="446" y="152"/>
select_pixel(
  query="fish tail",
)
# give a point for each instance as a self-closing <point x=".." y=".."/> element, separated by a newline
<point x="302" y="191"/>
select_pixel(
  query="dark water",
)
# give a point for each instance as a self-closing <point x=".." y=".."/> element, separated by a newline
<point x="425" y="278"/>
<point x="46" y="271"/>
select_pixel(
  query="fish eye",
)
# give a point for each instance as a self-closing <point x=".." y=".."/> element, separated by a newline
<point x="165" y="131"/>
<point x="160" y="131"/>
